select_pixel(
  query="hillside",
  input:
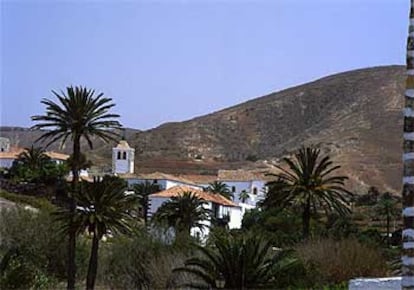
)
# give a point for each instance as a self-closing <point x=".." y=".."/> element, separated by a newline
<point x="356" y="116"/>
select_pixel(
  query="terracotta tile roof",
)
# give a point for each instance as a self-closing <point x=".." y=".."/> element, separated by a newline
<point x="239" y="175"/>
<point x="199" y="178"/>
<point x="123" y="144"/>
<point x="57" y="155"/>
<point x="12" y="153"/>
<point x="159" y="176"/>
<point x="207" y="196"/>
<point x="15" y="151"/>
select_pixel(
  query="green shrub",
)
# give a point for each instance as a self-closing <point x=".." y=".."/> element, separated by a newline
<point x="36" y="202"/>
<point x="32" y="250"/>
<point x="281" y="226"/>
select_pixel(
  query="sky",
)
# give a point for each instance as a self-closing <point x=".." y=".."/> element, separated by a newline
<point x="173" y="60"/>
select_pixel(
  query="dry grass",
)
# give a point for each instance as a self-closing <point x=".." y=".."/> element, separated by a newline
<point x="334" y="261"/>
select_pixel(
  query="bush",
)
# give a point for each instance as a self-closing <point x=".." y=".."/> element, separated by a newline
<point x="281" y="226"/>
<point x="36" y="202"/>
<point x="139" y="262"/>
<point x="32" y="252"/>
<point x="332" y="262"/>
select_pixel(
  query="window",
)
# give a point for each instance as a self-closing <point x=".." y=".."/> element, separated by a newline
<point x="155" y="181"/>
<point x="119" y="155"/>
<point x="124" y="155"/>
<point x="255" y="190"/>
<point x="233" y="189"/>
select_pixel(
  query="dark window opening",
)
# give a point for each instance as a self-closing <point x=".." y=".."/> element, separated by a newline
<point x="233" y="189"/>
<point x="254" y="190"/>
<point x="124" y="155"/>
<point x="119" y="155"/>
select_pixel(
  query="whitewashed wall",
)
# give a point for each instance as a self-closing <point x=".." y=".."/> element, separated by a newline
<point x="248" y="186"/>
<point x="236" y="217"/>
<point x="6" y="162"/>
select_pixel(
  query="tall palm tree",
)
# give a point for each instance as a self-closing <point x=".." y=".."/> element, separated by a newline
<point x="309" y="183"/>
<point x="143" y="190"/>
<point x="219" y="187"/>
<point x="79" y="113"/>
<point x="183" y="212"/>
<point x="242" y="261"/>
<point x="103" y="208"/>
<point x="407" y="281"/>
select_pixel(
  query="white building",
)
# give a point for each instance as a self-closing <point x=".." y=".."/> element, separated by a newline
<point x="253" y="183"/>
<point x="4" y="144"/>
<point x="223" y="207"/>
<point x="163" y="180"/>
<point x="123" y="158"/>
<point x="250" y="182"/>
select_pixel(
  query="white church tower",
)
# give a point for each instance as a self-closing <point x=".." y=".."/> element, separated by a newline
<point x="123" y="158"/>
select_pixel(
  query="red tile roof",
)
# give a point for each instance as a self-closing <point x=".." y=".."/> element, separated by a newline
<point x="57" y="155"/>
<point x="207" y="196"/>
<point x="159" y="176"/>
<point x="199" y="178"/>
<point x="15" y="151"/>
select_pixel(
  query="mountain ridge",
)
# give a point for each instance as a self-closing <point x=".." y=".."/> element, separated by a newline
<point x="354" y="116"/>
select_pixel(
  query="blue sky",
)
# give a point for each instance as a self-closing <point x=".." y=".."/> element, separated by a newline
<point x="174" y="60"/>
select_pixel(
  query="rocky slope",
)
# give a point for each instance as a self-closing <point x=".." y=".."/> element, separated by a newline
<point x="355" y="116"/>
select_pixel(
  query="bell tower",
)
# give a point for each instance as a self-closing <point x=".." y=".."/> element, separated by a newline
<point x="123" y="158"/>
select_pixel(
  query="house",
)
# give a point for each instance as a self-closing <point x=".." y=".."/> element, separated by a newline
<point x="219" y="205"/>
<point x="10" y="153"/>
<point x="252" y="183"/>
<point x="163" y="180"/>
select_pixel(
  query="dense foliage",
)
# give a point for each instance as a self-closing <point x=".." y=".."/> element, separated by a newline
<point x="309" y="183"/>
<point x="241" y="261"/>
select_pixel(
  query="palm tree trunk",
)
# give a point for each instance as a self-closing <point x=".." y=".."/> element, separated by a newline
<point x="306" y="219"/>
<point x="72" y="207"/>
<point x="93" y="264"/>
<point x="388" y="227"/>
<point x="145" y="210"/>
<point x="407" y="281"/>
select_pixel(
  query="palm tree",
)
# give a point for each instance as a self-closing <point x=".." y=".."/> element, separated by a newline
<point x="183" y="212"/>
<point x="387" y="206"/>
<point x="79" y="113"/>
<point x="143" y="190"/>
<point x="242" y="261"/>
<point x="33" y="157"/>
<point x="103" y="208"/>
<point x="219" y="187"/>
<point x="407" y="281"/>
<point x="30" y="163"/>
<point x="308" y="183"/>
<point x="244" y="196"/>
